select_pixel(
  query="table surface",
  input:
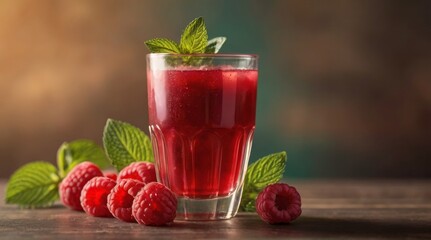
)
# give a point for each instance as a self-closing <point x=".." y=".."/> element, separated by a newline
<point x="336" y="209"/>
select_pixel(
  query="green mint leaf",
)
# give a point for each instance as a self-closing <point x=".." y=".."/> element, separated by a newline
<point x="72" y="153"/>
<point x="260" y="174"/>
<point x="266" y="170"/>
<point x="125" y="144"/>
<point x="214" y="45"/>
<point x="33" y="185"/>
<point x="250" y="207"/>
<point x="162" y="45"/>
<point x="194" y="38"/>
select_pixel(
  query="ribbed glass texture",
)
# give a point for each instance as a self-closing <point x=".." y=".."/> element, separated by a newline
<point x="202" y="118"/>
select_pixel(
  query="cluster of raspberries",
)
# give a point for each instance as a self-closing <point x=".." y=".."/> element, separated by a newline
<point x="133" y="196"/>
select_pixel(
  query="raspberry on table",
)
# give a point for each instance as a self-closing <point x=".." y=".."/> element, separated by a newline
<point x="111" y="175"/>
<point x="278" y="203"/>
<point x="120" y="199"/>
<point x="141" y="171"/>
<point x="72" y="184"/>
<point x="94" y="196"/>
<point x="155" y="205"/>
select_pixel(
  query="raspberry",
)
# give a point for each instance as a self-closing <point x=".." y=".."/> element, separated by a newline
<point x="72" y="184"/>
<point x="94" y="196"/>
<point x="278" y="203"/>
<point x="111" y="175"/>
<point x="120" y="199"/>
<point x="154" y="205"/>
<point x="141" y="171"/>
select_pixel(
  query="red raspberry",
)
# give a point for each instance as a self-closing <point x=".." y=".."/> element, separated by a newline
<point x="111" y="175"/>
<point x="72" y="184"/>
<point x="120" y="199"/>
<point x="278" y="203"/>
<point x="94" y="196"/>
<point x="155" y="205"/>
<point x="141" y="171"/>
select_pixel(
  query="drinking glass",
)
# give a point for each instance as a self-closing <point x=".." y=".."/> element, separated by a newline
<point x="202" y="111"/>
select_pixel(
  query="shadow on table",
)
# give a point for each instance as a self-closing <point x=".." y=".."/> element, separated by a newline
<point x="21" y="224"/>
<point x="401" y="228"/>
<point x="319" y="227"/>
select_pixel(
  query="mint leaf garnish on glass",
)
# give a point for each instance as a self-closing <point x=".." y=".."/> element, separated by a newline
<point x="195" y="37"/>
<point x="265" y="171"/>
<point x="194" y="40"/>
<point x="125" y="144"/>
<point x="162" y="45"/>
<point x="214" y="45"/>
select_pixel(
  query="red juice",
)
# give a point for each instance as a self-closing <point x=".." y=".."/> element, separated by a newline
<point x="202" y="123"/>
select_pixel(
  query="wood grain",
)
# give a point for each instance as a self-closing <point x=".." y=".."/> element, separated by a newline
<point x="331" y="210"/>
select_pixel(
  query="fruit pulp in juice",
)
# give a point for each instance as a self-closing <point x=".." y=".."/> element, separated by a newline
<point x="202" y="123"/>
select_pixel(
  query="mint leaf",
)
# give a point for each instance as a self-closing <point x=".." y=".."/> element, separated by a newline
<point x="73" y="153"/>
<point x="250" y="207"/>
<point x="125" y="144"/>
<point x="260" y="174"/>
<point x="194" y="38"/>
<point x="214" y="45"/>
<point x="162" y="45"/>
<point x="266" y="170"/>
<point x="33" y="185"/>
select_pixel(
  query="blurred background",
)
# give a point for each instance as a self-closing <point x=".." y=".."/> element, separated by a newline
<point x="344" y="86"/>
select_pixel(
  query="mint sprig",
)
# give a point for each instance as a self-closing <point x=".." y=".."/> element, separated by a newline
<point x="162" y="45"/>
<point x="125" y="144"/>
<point x="33" y="185"/>
<point x="73" y="153"/>
<point x="36" y="184"/>
<point x="195" y="37"/>
<point x="265" y="171"/>
<point x="194" y="40"/>
<point x="214" y="45"/>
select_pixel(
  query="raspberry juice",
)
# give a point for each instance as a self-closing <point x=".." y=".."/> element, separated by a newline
<point x="202" y="122"/>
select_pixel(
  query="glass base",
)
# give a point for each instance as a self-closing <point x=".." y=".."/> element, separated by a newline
<point x="208" y="209"/>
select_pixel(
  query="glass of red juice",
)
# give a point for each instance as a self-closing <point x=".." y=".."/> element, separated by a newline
<point x="202" y="118"/>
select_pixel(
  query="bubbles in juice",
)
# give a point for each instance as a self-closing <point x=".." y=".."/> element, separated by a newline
<point x="202" y="123"/>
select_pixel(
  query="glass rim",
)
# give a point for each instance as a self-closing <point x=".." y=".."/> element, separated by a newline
<point x="206" y="55"/>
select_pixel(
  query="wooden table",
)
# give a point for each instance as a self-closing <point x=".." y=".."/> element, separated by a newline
<point x="331" y="210"/>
